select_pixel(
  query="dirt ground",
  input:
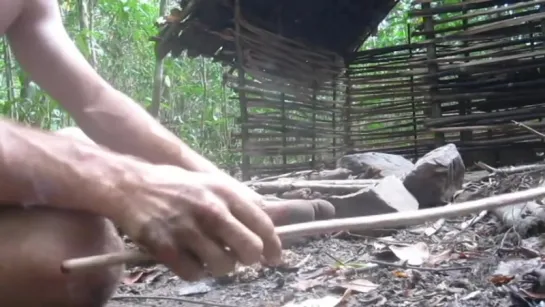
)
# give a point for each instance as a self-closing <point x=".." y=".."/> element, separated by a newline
<point x="363" y="271"/>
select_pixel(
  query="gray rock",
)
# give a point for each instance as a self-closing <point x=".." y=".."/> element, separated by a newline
<point x="375" y="165"/>
<point x="387" y="196"/>
<point x="436" y="176"/>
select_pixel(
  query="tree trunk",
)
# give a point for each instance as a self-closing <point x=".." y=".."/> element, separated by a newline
<point x="157" y="76"/>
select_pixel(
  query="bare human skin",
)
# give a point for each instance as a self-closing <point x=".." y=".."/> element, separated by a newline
<point x="35" y="240"/>
<point x="141" y="177"/>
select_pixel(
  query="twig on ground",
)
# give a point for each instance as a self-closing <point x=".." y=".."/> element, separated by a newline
<point x="504" y="238"/>
<point x="433" y="229"/>
<point x="510" y="169"/>
<point x="354" y="271"/>
<point x="486" y="167"/>
<point x="405" y="266"/>
<point x="465" y="225"/>
<point x="473" y="221"/>
<point x="348" y="186"/>
<point x="398" y="219"/>
<point x="534" y="131"/>
<point x="271" y="178"/>
<point x="521" y="169"/>
<point x="339" y="261"/>
<point x="169" y="298"/>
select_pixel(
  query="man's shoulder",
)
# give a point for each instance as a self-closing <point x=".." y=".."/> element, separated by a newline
<point x="9" y="11"/>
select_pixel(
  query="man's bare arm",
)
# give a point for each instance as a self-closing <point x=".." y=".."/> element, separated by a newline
<point x="158" y="206"/>
<point x="44" y="49"/>
<point x="40" y="168"/>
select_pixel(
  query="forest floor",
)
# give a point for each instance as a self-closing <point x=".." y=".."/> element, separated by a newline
<point x="353" y="270"/>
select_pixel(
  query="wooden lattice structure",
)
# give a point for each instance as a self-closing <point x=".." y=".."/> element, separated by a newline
<point x="307" y="95"/>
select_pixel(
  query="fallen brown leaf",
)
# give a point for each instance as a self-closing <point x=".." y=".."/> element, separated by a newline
<point x="499" y="280"/>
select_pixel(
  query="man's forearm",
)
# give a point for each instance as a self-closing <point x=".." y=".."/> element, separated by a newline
<point x="39" y="168"/>
<point x="138" y="134"/>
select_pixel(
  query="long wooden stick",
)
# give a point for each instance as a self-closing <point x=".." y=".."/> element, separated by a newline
<point x="321" y="227"/>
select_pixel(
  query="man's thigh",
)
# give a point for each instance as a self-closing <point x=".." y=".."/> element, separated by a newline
<point x="34" y="243"/>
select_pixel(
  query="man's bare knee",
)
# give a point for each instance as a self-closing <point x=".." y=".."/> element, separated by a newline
<point x="37" y="240"/>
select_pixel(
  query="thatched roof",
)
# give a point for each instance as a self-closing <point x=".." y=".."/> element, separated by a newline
<point x="207" y="27"/>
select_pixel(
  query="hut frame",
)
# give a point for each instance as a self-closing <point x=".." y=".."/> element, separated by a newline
<point x="467" y="71"/>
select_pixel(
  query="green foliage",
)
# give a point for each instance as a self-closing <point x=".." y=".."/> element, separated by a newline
<point x="116" y="35"/>
<point x="393" y="29"/>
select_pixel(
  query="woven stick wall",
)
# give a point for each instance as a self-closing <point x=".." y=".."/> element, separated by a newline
<point x="386" y="104"/>
<point x="289" y="95"/>
<point x="472" y="67"/>
<point x="287" y="64"/>
<point x="477" y="66"/>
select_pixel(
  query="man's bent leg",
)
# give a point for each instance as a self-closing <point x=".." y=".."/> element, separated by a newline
<point x="35" y="241"/>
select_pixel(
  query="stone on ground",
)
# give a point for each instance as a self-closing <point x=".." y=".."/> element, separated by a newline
<point x="387" y="196"/>
<point x="436" y="176"/>
<point x="373" y="165"/>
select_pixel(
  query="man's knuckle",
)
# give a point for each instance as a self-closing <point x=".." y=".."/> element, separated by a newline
<point x="188" y="233"/>
<point x="212" y="207"/>
<point x="147" y="232"/>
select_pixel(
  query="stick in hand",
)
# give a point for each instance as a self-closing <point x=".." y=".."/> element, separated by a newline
<point x="322" y="227"/>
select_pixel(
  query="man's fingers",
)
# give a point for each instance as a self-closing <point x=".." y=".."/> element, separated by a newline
<point x="218" y="260"/>
<point x="246" y="245"/>
<point x="250" y="214"/>
<point x="272" y="246"/>
<point x="161" y="245"/>
<point x="187" y="267"/>
<point x="217" y="220"/>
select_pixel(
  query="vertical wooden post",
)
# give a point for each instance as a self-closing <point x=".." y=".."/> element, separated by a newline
<point x="542" y="9"/>
<point x="346" y="112"/>
<point x="429" y="28"/>
<point x="413" y="103"/>
<point x="283" y="101"/>
<point x="314" y="106"/>
<point x="245" y="169"/>
<point x="334" y="119"/>
<point x="533" y="43"/>
<point x="465" y="104"/>
<point x="284" y="130"/>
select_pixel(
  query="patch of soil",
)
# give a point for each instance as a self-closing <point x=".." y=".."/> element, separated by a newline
<point x="453" y="265"/>
<point x="316" y="268"/>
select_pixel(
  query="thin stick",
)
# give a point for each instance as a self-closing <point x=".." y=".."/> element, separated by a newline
<point x="534" y="131"/>
<point x="103" y="260"/>
<point x="397" y="219"/>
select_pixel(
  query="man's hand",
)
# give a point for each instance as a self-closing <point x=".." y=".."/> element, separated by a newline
<point x="187" y="220"/>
